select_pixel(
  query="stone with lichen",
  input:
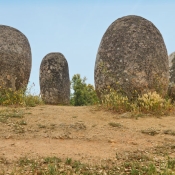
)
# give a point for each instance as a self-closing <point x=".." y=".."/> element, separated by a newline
<point x="171" y="89"/>
<point x="15" y="58"/>
<point x="132" y="58"/>
<point x="54" y="79"/>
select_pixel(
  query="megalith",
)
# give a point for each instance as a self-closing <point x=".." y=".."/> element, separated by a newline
<point x="54" y="79"/>
<point x="132" y="58"/>
<point x="171" y="90"/>
<point x="15" y="59"/>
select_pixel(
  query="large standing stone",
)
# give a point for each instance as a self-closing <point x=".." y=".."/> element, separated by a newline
<point x="15" y="58"/>
<point x="54" y="79"/>
<point x="132" y="58"/>
<point x="171" y="90"/>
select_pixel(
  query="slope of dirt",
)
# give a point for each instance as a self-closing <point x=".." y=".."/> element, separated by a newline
<point x="81" y="133"/>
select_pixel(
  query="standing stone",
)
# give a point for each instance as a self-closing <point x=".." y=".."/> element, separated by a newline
<point x="15" y="58"/>
<point x="54" y="79"/>
<point x="171" y="90"/>
<point x="132" y="58"/>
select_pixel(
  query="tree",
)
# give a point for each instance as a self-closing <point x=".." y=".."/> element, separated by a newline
<point x="83" y="94"/>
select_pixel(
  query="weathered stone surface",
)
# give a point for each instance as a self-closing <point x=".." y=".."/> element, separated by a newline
<point x="132" y="58"/>
<point x="15" y="58"/>
<point x="54" y="79"/>
<point x="171" y="90"/>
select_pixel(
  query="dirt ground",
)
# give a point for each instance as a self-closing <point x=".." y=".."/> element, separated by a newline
<point x="81" y="133"/>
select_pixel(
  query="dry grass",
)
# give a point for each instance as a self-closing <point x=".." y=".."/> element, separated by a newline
<point x="18" y="98"/>
<point x="150" y="102"/>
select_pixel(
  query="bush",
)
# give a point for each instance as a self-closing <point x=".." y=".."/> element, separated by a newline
<point x="19" y="97"/>
<point x="150" y="102"/>
<point x="84" y="94"/>
<point x="110" y="99"/>
<point x="153" y="102"/>
<point x="10" y="97"/>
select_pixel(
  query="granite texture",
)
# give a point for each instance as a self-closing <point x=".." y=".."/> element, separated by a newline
<point x="15" y="58"/>
<point x="54" y="79"/>
<point x="132" y="58"/>
<point x="171" y="90"/>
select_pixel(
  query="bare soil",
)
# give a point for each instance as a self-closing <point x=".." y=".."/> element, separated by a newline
<point x="82" y="133"/>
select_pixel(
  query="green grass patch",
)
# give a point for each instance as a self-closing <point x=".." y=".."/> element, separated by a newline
<point x="135" y="165"/>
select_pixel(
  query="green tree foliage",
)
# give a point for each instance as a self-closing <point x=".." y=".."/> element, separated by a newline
<point x="84" y="94"/>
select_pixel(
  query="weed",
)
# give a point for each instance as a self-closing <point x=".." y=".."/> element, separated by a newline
<point x="20" y="97"/>
<point x="78" y="126"/>
<point x="22" y="122"/>
<point x="17" y="114"/>
<point x="77" y="165"/>
<point x="118" y="125"/>
<point x="32" y="100"/>
<point x="53" y="170"/>
<point x="52" y="126"/>
<point x="137" y="156"/>
<point x="3" y="160"/>
<point x="41" y="126"/>
<point x="138" y="115"/>
<point x="10" y="113"/>
<point x="150" y="102"/>
<point x="74" y="117"/>
<point x="18" y="129"/>
<point x="24" y="161"/>
<point x="52" y="160"/>
<point x="150" y="131"/>
<point x="28" y="113"/>
<point x="3" y="119"/>
<point x="112" y="100"/>
<point x="68" y="161"/>
<point x="169" y="132"/>
<point x="171" y="163"/>
<point x="153" y="102"/>
<point x="134" y="171"/>
<point x="132" y="166"/>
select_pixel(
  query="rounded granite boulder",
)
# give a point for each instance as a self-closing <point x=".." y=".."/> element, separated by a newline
<point x="15" y="58"/>
<point x="54" y="79"/>
<point x="171" y="90"/>
<point x="132" y="58"/>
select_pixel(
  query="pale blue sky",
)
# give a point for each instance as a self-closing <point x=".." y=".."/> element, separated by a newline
<point x="75" y="27"/>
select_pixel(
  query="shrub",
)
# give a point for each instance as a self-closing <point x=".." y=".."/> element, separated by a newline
<point x="84" y="94"/>
<point x="111" y="99"/>
<point x="19" y="97"/>
<point x="150" y="102"/>
<point x="153" y="102"/>
<point x="10" y="97"/>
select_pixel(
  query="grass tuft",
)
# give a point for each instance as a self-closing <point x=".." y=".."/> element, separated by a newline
<point x="113" y="124"/>
<point x="153" y="102"/>
<point x="10" y="113"/>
